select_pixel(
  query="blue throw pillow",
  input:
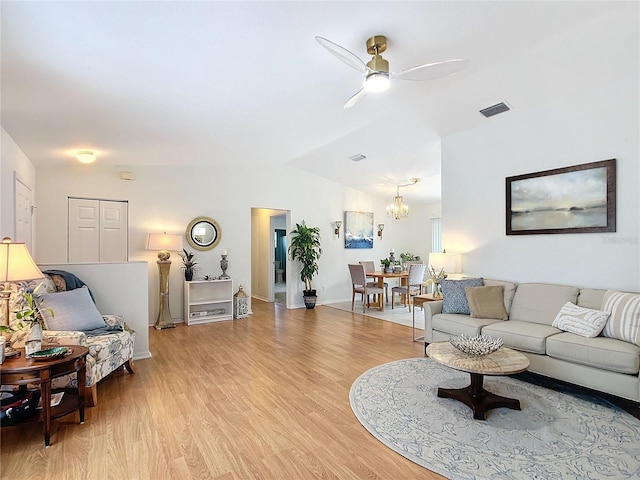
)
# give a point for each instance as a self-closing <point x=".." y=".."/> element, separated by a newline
<point x="72" y="310"/>
<point x="454" y="298"/>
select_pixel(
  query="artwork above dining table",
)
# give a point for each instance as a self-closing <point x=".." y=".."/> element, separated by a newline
<point x="358" y="229"/>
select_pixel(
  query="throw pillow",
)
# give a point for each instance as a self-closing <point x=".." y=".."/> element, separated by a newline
<point x="581" y="321"/>
<point x="72" y="310"/>
<point x="487" y="302"/>
<point x="624" y="322"/>
<point x="454" y="298"/>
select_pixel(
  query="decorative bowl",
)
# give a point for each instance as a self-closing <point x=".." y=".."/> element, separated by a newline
<point x="478" y="345"/>
<point x="49" y="353"/>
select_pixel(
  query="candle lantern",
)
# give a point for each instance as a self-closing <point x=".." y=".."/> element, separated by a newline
<point x="240" y="304"/>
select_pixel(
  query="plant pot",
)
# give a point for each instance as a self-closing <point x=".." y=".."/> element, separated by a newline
<point x="188" y="275"/>
<point x="310" y="298"/>
<point x="388" y="270"/>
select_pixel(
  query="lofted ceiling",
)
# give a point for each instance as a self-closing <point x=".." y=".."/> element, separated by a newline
<point x="192" y="83"/>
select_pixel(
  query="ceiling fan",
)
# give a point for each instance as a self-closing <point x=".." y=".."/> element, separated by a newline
<point x="376" y="73"/>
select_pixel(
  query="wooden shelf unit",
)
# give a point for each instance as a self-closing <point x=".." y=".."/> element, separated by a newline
<point x="208" y="301"/>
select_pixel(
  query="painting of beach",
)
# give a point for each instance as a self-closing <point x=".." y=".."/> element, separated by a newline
<point x="565" y="200"/>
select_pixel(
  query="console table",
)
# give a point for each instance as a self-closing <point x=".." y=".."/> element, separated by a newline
<point x="22" y="371"/>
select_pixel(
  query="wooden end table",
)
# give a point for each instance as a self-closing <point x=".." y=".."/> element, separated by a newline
<point x="504" y="361"/>
<point x="419" y="301"/>
<point x="22" y="371"/>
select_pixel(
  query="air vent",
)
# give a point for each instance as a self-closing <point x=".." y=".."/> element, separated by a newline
<point x="357" y="158"/>
<point x="495" y="109"/>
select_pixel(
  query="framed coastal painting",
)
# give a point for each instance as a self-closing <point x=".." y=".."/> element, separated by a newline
<point x="358" y="229"/>
<point x="576" y="199"/>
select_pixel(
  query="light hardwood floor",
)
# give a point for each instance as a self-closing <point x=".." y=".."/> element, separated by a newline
<point x="266" y="397"/>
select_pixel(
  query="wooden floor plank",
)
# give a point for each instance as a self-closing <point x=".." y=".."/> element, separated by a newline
<point x="266" y="397"/>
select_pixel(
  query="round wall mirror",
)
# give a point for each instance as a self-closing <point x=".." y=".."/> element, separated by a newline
<point x="203" y="233"/>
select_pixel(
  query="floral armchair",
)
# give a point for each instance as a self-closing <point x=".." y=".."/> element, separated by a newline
<point x="108" y="351"/>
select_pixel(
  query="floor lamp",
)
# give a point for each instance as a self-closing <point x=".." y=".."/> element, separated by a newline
<point x="16" y="265"/>
<point x="164" y="242"/>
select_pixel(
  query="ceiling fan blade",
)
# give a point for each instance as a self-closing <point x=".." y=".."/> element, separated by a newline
<point x="343" y="54"/>
<point x="431" y="71"/>
<point x="355" y="98"/>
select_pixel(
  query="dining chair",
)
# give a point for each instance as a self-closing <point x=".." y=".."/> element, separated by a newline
<point x="359" y="285"/>
<point x="370" y="266"/>
<point x="413" y="286"/>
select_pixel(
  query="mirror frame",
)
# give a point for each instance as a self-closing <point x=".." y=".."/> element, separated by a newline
<point x="216" y="229"/>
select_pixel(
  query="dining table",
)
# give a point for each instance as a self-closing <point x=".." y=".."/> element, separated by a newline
<point x="381" y="275"/>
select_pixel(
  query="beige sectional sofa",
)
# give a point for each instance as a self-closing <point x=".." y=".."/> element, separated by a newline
<point x="601" y="363"/>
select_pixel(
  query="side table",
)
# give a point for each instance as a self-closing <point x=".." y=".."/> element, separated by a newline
<point x="419" y="301"/>
<point x="22" y="371"/>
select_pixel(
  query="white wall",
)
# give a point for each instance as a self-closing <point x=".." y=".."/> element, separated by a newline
<point x="168" y="198"/>
<point x="596" y="125"/>
<point x="13" y="162"/>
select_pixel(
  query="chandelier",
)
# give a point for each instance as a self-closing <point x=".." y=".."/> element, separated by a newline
<point x="398" y="209"/>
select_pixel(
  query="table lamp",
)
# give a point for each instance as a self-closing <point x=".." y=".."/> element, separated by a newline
<point x="164" y="243"/>
<point x="16" y="265"/>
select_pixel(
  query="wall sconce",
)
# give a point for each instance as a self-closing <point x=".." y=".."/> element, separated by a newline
<point x="380" y="228"/>
<point x="337" y="230"/>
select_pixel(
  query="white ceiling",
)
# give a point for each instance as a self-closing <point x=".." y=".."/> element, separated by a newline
<point x="162" y="83"/>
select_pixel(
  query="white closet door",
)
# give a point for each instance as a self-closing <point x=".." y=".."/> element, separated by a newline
<point x="23" y="211"/>
<point x="113" y="231"/>
<point x="84" y="231"/>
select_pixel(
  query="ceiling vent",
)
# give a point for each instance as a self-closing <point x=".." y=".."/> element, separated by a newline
<point x="495" y="109"/>
<point x="357" y="158"/>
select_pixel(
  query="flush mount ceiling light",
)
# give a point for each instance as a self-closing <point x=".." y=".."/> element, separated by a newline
<point x="398" y="209"/>
<point x="85" y="156"/>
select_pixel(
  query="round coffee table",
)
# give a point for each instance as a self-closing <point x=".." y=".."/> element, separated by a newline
<point x="504" y="361"/>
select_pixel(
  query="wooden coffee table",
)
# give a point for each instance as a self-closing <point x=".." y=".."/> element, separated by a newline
<point x="504" y="361"/>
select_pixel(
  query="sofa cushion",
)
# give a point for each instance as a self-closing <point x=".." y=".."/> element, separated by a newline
<point x="591" y="298"/>
<point x="540" y="302"/>
<point x="487" y="302"/>
<point x="601" y="352"/>
<point x="455" y="324"/>
<point x="585" y="322"/>
<point x="72" y="310"/>
<point x="454" y="298"/>
<point x="509" y="290"/>
<point x="624" y="322"/>
<point x="526" y="336"/>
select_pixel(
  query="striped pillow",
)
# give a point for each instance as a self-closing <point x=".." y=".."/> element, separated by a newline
<point x="624" y="323"/>
<point x="581" y="321"/>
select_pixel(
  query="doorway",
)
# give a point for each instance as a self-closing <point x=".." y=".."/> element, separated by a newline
<point x="278" y="225"/>
<point x="269" y="260"/>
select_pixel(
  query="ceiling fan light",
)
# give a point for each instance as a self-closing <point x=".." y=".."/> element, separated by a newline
<point x="377" y="82"/>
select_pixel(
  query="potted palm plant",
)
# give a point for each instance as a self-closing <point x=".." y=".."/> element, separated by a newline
<point x="305" y="247"/>
<point x="189" y="265"/>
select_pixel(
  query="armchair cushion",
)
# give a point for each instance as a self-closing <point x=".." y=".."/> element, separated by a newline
<point x="72" y="310"/>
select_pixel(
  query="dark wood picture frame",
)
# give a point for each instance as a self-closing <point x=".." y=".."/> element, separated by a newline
<point x="576" y="199"/>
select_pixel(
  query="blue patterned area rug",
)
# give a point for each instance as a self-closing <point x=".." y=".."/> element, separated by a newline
<point x="555" y="436"/>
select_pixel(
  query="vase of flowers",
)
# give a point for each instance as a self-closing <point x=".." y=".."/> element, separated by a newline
<point x="29" y="317"/>
<point x="436" y="278"/>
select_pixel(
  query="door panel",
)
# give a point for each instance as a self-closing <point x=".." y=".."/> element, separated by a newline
<point x="84" y="231"/>
<point x="22" y="214"/>
<point x="113" y="231"/>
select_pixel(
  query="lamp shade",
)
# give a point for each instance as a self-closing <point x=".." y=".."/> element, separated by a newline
<point x="444" y="261"/>
<point x="16" y="263"/>
<point x="165" y="241"/>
